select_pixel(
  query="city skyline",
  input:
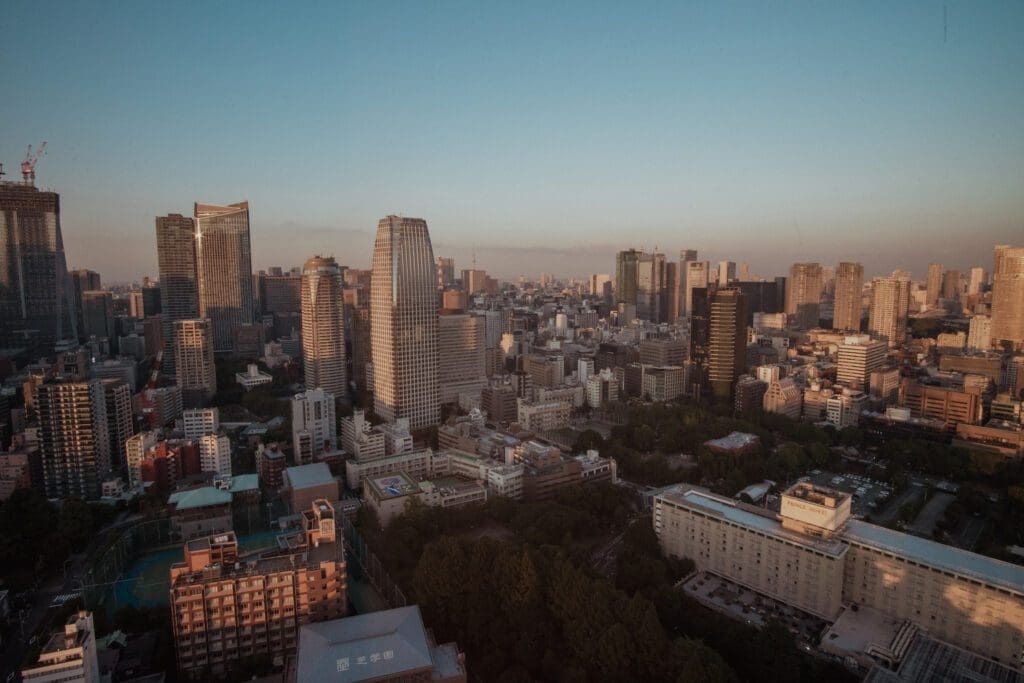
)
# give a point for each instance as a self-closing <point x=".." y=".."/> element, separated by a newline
<point x="595" y="127"/>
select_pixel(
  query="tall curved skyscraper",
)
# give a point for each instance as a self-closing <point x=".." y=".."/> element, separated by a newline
<point x="323" y="326"/>
<point x="403" y="323"/>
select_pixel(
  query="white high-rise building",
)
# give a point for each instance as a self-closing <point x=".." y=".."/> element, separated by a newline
<point x="135" y="449"/>
<point x="199" y="422"/>
<point x="890" y="304"/>
<point x="803" y="294"/>
<point x="403" y="323"/>
<point x="215" y="454"/>
<point x="976" y="280"/>
<point x="314" y="430"/>
<point x="694" y="277"/>
<point x="979" y="335"/>
<point x="323" y="326"/>
<point x="726" y="272"/>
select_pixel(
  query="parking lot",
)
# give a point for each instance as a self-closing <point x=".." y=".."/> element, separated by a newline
<point x="752" y="608"/>
<point x="869" y="495"/>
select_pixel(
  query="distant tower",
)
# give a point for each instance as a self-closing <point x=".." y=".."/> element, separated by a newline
<point x="224" y="269"/>
<point x="36" y="296"/>
<point x="179" y="293"/>
<point x="403" y="323"/>
<point x="193" y="353"/>
<point x="933" y="284"/>
<point x="727" y="340"/>
<point x="849" y="283"/>
<point x="890" y="303"/>
<point x="1008" y="295"/>
<point x="323" y="326"/>
<point x="695" y="276"/>
<point x="803" y="294"/>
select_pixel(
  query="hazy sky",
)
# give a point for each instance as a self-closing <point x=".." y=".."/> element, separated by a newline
<point x="546" y="134"/>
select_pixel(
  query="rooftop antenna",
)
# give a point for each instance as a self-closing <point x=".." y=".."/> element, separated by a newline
<point x="28" y="167"/>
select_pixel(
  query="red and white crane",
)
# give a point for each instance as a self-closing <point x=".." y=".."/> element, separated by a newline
<point x="28" y="167"/>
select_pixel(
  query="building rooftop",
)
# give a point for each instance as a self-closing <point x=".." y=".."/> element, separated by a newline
<point x="733" y="441"/>
<point x="207" y="496"/>
<point x="938" y="555"/>
<point x="374" y="646"/>
<point x="748" y="516"/>
<point x="393" y="485"/>
<point x="306" y="476"/>
<point x="245" y="482"/>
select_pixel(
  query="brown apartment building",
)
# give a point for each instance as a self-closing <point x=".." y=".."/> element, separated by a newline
<point x="226" y="607"/>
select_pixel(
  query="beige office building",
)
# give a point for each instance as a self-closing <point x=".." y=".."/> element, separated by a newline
<point x="461" y="362"/>
<point x="403" y="323"/>
<point x="193" y="353"/>
<point x="323" y="327"/>
<point x="846" y="308"/>
<point x="857" y="357"/>
<point x="890" y="304"/>
<point x="224" y="269"/>
<point x="783" y="397"/>
<point x="1008" y="295"/>
<point x="227" y="607"/>
<point x="814" y="557"/>
<point x="803" y="294"/>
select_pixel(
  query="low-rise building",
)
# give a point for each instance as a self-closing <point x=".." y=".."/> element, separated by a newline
<point x="305" y="483"/>
<point x="388" y="646"/>
<point x="784" y="397"/>
<point x="543" y="417"/>
<point x="200" y="512"/>
<point x="67" y="656"/>
<point x="736" y="444"/>
<point x="252" y="377"/>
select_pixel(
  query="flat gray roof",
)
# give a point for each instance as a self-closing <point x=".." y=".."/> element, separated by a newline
<point x="366" y="647"/>
<point x="740" y="514"/>
<point x="305" y="476"/>
<point x="938" y="555"/>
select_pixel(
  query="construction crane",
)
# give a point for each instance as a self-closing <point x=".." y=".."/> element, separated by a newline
<point x="28" y="167"/>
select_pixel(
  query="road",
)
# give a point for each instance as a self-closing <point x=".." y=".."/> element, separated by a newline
<point x="14" y="649"/>
<point x="913" y="492"/>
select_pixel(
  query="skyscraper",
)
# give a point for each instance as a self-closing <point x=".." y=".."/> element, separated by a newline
<point x="626" y="273"/>
<point x="803" y="294"/>
<point x="726" y="272"/>
<point x="694" y="277"/>
<point x="179" y="293"/>
<point x="461" y="347"/>
<point x="83" y="280"/>
<point x="1008" y="295"/>
<point x="933" y="285"/>
<point x="323" y="326"/>
<point x="651" y="294"/>
<point x="193" y="354"/>
<point x="951" y="285"/>
<point x="97" y="315"/>
<point x="978" y="278"/>
<point x="224" y="269"/>
<point x="849" y="283"/>
<point x="727" y="340"/>
<point x="403" y="323"/>
<point x="890" y="303"/>
<point x="36" y="297"/>
<point x="445" y="272"/>
<point x="673" y="290"/>
<point x="74" y="437"/>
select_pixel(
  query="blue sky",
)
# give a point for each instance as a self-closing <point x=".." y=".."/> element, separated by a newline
<point x="547" y="134"/>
